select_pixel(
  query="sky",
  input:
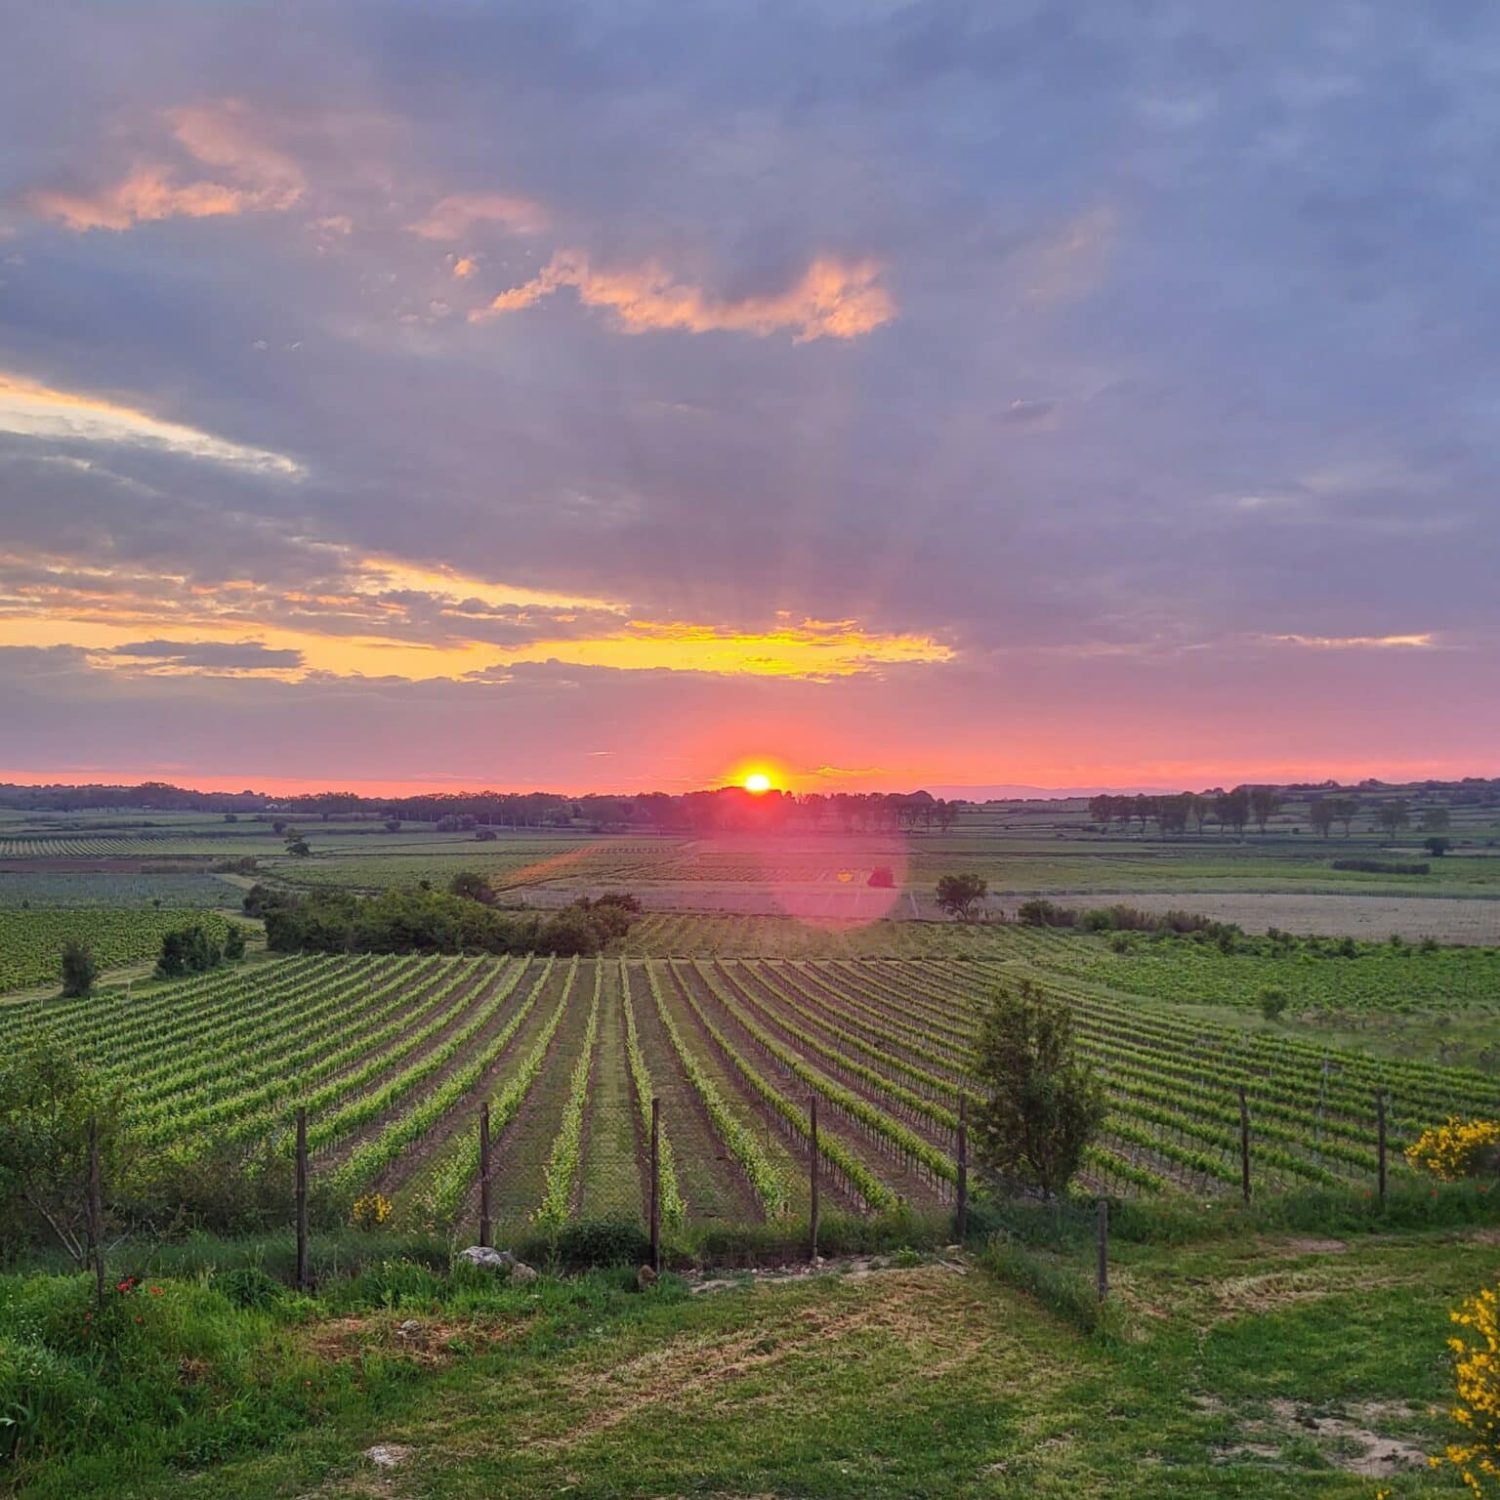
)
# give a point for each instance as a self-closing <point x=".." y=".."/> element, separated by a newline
<point x="612" y="396"/>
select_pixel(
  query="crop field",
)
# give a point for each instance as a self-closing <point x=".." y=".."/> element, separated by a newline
<point x="118" y="889"/>
<point x="31" y="942"/>
<point x="392" y="1056"/>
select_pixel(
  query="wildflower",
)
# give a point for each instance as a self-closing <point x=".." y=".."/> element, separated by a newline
<point x="1458" y="1149"/>
<point x="155" y="1291"/>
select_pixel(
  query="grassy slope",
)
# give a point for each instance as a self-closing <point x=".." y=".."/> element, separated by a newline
<point x="917" y="1382"/>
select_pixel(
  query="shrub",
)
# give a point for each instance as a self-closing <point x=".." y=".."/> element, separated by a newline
<point x="370" y="1211"/>
<point x="1458" y="1149"/>
<point x="1476" y="1455"/>
<point x="1273" y="1002"/>
<point x="1039" y="912"/>
<point x="882" y="878"/>
<point x="1381" y="867"/>
<point x="79" y="970"/>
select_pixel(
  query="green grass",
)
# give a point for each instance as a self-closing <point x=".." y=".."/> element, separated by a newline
<point x="911" y="1381"/>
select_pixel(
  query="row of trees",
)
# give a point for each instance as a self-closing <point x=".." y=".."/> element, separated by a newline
<point x="1235" y="810"/>
<point x="426" y="921"/>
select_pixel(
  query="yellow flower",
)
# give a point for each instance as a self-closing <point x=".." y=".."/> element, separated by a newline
<point x="371" y="1211"/>
<point x="1461" y="1148"/>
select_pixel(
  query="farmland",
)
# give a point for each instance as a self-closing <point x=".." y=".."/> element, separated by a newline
<point x="392" y="1056"/>
<point x="31" y="942"/>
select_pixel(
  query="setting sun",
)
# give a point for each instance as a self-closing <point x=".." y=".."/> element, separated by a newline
<point x="757" y="781"/>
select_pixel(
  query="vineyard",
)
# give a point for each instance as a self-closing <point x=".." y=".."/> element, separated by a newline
<point x="31" y="942"/>
<point x="392" y="1056"/>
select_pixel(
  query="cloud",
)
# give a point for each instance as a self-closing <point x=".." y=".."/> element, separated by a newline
<point x="31" y="410"/>
<point x="230" y="656"/>
<point x="226" y="135"/>
<point x="1420" y="642"/>
<point x="831" y="299"/>
<point x="453" y="217"/>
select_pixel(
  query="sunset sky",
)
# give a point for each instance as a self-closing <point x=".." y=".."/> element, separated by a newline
<point x="603" y="397"/>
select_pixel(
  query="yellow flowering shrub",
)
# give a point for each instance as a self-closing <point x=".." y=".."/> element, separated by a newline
<point x="1461" y="1148"/>
<point x="1476" y="1455"/>
<point x="371" y="1211"/>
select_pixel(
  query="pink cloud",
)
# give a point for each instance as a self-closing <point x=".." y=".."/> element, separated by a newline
<point x="225" y="135"/>
<point x="452" y="217"/>
<point x="832" y="299"/>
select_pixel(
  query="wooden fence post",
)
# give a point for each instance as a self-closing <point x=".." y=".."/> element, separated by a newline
<point x="486" y="1228"/>
<point x="1102" y="1273"/>
<point x="656" y="1185"/>
<point x="96" y="1212"/>
<point x="1380" y="1138"/>
<point x="961" y="1217"/>
<point x="1244" y="1145"/>
<point x="304" y="1281"/>
<point x="812" y="1170"/>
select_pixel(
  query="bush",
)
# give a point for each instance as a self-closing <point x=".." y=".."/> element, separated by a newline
<point x="79" y="971"/>
<point x="1381" y="867"/>
<point x="1273" y="1002"/>
<point x="190" y="950"/>
<point x="1476" y="1454"/>
<point x="1039" y="912"/>
<point x="1458" y="1149"/>
<point x="882" y="878"/>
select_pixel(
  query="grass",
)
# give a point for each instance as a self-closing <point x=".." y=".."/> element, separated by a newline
<point x="1250" y="1366"/>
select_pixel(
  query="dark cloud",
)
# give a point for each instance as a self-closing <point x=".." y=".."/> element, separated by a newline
<point x="248" y="656"/>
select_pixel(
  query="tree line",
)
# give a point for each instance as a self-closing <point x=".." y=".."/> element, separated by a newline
<point x="1234" y="811"/>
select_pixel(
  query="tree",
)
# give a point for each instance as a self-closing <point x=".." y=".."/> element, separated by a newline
<point x="1232" y="809"/>
<point x="234" y="942"/>
<point x="298" y="846"/>
<point x="1273" y="1002"/>
<point x="393" y="825"/>
<point x="1435" y="820"/>
<point x="1437" y="847"/>
<point x="79" y="971"/>
<point x="1042" y="1104"/>
<point x="1393" y="816"/>
<point x="1345" y="810"/>
<point x="472" y="886"/>
<point x="1265" y="803"/>
<point x="189" y="950"/>
<point x="959" y="895"/>
<point x="1320" y="815"/>
<point x="47" y="1101"/>
<point x="883" y="878"/>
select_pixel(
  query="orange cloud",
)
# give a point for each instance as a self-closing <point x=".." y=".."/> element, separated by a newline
<point x="832" y="299"/>
<point x="224" y="135"/>
<point x="463" y="268"/>
<point x="455" y="216"/>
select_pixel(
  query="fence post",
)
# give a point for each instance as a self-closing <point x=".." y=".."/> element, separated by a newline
<point x="303" y="1280"/>
<point x="656" y="1185"/>
<point x="1102" y="1274"/>
<point x="486" y="1228"/>
<point x="812" y="1171"/>
<point x="1380" y="1140"/>
<point x="96" y="1211"/>
<point x="961" y="1217"/>
<point x="1244" y="1145"/>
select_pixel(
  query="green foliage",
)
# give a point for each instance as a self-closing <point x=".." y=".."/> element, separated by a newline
<point x="420" y="921"/>
<point x="960" y="895"/>
<point x="48" y="1099"/>
<point x="32" y="941"/>
<point x="1273" y="1002"/>
<point x="1042" y="1105"/>
<point x="190" y="950"/>
<point x="78" y="969"/>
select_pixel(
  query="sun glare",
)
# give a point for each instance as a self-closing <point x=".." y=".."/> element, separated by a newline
<point x="757" y="781"/>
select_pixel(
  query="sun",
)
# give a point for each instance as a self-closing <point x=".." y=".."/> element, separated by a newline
<point x="757" y="782"/>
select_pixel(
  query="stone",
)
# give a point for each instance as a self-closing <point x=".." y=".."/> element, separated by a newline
<point x="387" y="1455"/>
<point x="490" y="1260"/>
<point x="645" y="1277"/>
<point x="520" y="1271"/>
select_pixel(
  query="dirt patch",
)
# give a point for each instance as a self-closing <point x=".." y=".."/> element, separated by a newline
<point x="695" y="1366"/>
<point x="847" y="1267"/>
<point x="1316" y="1247"/>
<point x="1276" y="1289"/>
<point x="427" y="1342"/>
<point x="1348" y="1438"/>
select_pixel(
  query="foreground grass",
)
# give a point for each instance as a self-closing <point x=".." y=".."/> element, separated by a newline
<point x="1267" y="1366"/>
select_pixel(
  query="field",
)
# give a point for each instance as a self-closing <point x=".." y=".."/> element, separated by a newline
<point x="392" y="1056"/>
<point x="31" y="942"/>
